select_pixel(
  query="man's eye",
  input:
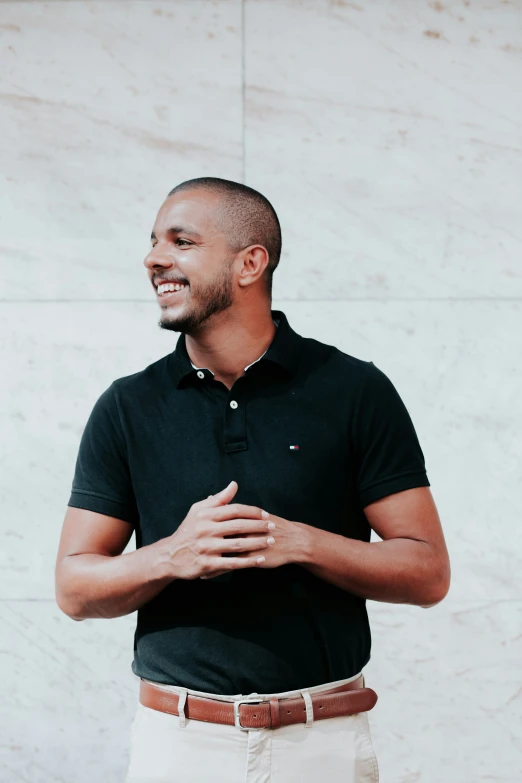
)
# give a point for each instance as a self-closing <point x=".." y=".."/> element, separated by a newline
<point x="186" y="242"/>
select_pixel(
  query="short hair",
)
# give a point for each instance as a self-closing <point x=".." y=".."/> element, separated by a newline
<point x="246" y="217"/>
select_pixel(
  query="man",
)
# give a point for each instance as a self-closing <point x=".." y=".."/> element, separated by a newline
<point x="252" y="464"/>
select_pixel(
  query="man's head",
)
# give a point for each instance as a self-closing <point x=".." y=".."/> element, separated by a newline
<point x="222" y="240"/>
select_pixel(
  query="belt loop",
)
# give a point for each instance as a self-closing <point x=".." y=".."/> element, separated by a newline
<point x="181" y="707"/>
<point x="309" y="707"/>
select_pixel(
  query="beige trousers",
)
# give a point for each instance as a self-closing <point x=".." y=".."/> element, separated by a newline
<point x="167" y="749"/>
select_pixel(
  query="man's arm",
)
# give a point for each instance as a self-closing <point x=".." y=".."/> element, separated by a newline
<point x="410" y="565"/>
<point x="94" y="579"/>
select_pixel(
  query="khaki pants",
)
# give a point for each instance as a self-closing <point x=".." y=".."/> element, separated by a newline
<point x="334" y="750"/>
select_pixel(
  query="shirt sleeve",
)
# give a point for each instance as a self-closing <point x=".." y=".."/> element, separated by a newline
<point x="102" y="480"/>
<point x="388" y="454"/>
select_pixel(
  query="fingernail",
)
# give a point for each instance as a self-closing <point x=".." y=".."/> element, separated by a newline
<point x="271" y="525"/>
<point x="270" y="540"/>
<point x="265" y="514"/>
<point x="260" y="559"/>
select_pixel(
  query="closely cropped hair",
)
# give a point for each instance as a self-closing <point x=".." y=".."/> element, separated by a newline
<point x="246" y="217"/>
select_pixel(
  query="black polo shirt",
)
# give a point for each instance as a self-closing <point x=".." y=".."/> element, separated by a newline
<point x="310" y="434"/>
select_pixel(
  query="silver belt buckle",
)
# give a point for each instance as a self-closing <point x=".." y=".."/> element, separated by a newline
<point x="237" y="722"/>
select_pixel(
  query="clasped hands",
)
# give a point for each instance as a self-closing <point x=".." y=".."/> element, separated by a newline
<point x="214" y="527"/>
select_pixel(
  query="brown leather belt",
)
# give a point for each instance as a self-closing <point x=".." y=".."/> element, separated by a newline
<point x="246" y="714"/>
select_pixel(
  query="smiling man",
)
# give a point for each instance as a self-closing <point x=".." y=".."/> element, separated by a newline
<point x="252" y="464"/>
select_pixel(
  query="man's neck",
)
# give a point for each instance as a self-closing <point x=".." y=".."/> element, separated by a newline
<point x="229" y="356"/>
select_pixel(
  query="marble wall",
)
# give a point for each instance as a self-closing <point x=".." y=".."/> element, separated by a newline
<point x="388" y="136"/>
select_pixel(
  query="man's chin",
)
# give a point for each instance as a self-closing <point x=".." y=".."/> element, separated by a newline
<point x="171" y="324"/>
<point x="175" y="322"/>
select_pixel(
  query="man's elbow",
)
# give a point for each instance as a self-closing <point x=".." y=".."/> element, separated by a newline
<point x="438" y="590"/>
<point x="78" y="619"/>
<point x="63" y="598"/>
<point x="67" y="608"/>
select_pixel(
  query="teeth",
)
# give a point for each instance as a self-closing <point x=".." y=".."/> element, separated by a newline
<point x="165" y="287"/>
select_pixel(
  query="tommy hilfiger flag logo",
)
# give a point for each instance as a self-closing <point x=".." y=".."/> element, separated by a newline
<point x="294" y="447"/>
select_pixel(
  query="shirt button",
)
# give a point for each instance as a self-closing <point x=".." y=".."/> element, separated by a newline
<point x="233" y="404"/>
<point x="201" y="374"/>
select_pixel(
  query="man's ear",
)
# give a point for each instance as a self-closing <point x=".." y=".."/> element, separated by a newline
<point x="255" y="261"/>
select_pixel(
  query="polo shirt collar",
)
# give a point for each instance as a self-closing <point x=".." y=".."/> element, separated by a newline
<point x="282" y="353"/>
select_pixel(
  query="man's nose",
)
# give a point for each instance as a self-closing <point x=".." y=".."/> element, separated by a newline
<point x="157" y="259"/>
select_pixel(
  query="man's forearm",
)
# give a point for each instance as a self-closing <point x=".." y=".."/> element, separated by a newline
<point x="398" y="570"/>
<point x="104" y="586"/>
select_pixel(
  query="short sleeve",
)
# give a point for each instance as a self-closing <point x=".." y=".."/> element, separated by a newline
<point x="102" y="481"/>
<point x="388" y="454"/>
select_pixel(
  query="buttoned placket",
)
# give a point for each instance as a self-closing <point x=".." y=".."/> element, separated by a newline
<point x="234" y="426"/>
<point x="234" y="418"/>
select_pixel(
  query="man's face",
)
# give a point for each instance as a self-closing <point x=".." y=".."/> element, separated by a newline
<point x="188" y="247"/>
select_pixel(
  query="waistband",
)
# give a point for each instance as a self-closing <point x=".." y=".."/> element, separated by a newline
<point x="240" y="696"/>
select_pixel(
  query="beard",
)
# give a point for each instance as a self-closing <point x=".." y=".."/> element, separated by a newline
<point x="210" y="298"/>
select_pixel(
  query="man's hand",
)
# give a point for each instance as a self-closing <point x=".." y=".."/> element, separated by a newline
<point x="212" y="528"/>
<point x="291" y="541"/>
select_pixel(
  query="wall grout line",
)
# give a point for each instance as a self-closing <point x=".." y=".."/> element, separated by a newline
<point x="413" y="300"/>
<point x="462" y="600"/>
<point x="5" y="600"/>
<point x="243" y="92"/>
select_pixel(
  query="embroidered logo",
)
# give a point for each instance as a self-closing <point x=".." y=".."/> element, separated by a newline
<point x="294" y="447"/>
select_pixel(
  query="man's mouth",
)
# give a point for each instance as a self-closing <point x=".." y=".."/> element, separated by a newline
<point x="167" y="290"/>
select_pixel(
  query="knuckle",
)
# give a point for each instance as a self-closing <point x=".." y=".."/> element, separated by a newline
<point x="199" y="533"/>
<point x="204" y="527"/>
<point x="206" y="564"/>
<point x="205" y="545"/>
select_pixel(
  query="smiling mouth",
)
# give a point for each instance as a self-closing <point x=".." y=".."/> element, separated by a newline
<point x="170" y="290"/>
